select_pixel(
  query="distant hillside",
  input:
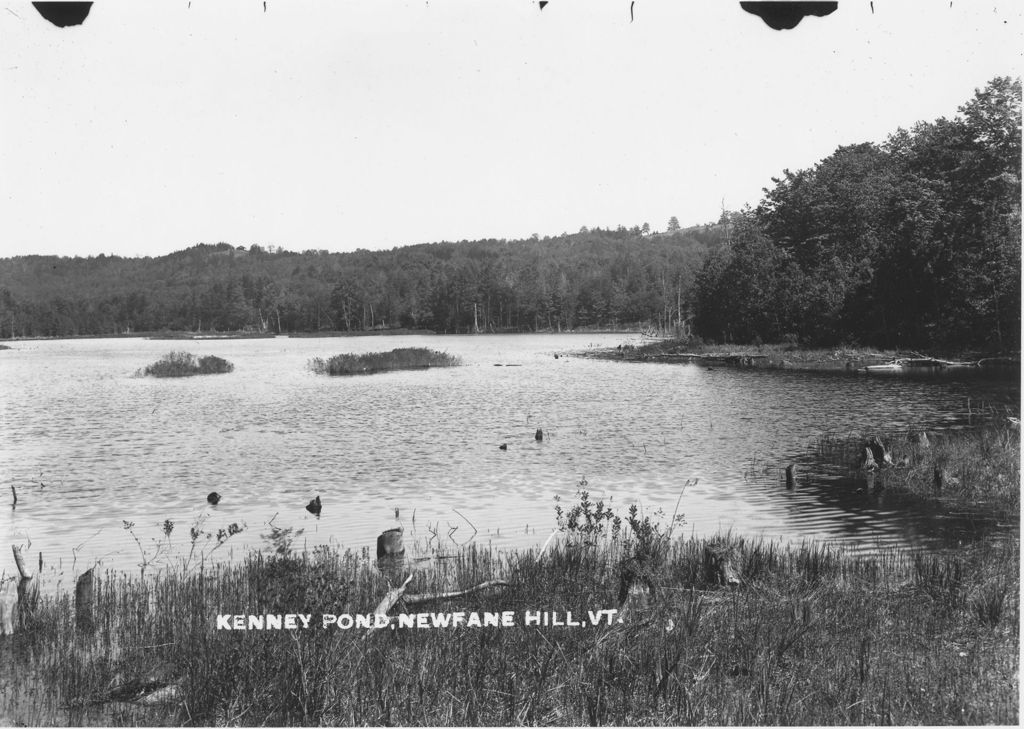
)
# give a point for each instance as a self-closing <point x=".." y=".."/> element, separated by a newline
<point x="594" y="278"/>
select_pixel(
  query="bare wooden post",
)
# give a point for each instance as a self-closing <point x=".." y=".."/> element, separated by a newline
<point x="539" y="435"/>
<point x="791" y="476"/>
<point x="84" y="613"/>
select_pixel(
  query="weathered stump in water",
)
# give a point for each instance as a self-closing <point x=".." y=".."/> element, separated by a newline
<point x="881" y="454"/>
<point x="539" y="435"/>
<point x="719" y="565"/>
<point x="791" y="476"/>
<point x="867" y="460"/>
<point x="922" y="440"/>
<point x="389" y="544"/>
<point x="85" y="620"/>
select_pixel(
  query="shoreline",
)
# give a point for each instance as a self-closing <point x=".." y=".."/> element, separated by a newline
<point x="849" y="361"/>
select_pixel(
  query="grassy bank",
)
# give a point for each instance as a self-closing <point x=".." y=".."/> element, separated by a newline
<point x="810" y="636"/>
<point x="184" y="364"/>
<point x="408" y="358"/>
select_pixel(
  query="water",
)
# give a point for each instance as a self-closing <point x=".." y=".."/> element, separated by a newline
<point x="89" y="447"/>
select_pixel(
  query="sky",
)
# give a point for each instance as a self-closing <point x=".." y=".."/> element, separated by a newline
<point x="340" y="125"/>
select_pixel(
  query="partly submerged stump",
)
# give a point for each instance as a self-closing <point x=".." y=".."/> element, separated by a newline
<point x="389" y="544"/>
<point x="539" y="435"/>
<point x="84" y="602"/>
<point x="791" y="476"/>
<point x="922" y="440"/>
<point x="718" y="565"/>
<point x="881" y="454"/>
<point x="867" y="460"/>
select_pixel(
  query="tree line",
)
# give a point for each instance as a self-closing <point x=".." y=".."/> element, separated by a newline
<point x="912" y="243"/>
<point x="915" y="242"/>
<point x="621" y="278"/>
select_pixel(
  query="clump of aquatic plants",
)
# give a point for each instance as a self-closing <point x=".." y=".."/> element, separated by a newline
<point x="977" y="466"/>
<point x="185" y="364"/>
<point x="407" y="358"/>
<point x="812" y="636"/>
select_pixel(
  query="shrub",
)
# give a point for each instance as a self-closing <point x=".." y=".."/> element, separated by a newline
<point x="184" y="364"/>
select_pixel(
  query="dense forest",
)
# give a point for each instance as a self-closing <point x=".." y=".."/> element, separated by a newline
<point x="912" y="243"/>
<point x="621" y="278"/>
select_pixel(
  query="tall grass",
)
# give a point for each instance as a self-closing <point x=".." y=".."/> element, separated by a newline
<point x="408" y="358"/>
<point x="184" y="364"/>
<point x="813" y="636"/>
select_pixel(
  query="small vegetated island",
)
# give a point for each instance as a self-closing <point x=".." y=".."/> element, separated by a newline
<point x="185" y="364"/>
<point x="407" y="358"/>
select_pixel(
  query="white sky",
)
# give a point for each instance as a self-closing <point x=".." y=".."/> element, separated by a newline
<point x="373" y="124"/>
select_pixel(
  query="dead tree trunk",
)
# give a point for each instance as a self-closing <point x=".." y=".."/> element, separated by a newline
<point x="18" y="596"/>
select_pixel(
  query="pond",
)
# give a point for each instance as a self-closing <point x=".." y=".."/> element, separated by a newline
<point x="90" y="448"/>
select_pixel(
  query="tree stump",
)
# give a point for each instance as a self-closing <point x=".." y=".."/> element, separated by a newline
<point x="18" y="596"/>
<point x="539" y="435"/>
<point x="882" y="455"/>
<point x="867" y="460"/>
<point x="636" y="587"/>
<point x="791" y="476"/>
<point x="389" y="544"/>
<point x="718" y="565"/>
<point x="84" y="603"/>
<point x="922" y="440"/>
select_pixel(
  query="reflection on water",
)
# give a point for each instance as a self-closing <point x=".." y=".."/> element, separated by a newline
<point x="88" y="446"/>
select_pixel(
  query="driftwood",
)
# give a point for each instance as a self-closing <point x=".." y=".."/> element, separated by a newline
<point x="397" y="594"/>
<point x="18" y="595"/>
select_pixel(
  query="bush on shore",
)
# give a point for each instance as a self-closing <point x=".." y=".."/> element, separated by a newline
<point x="184" y="364"/>
<point x="408" y="358"/>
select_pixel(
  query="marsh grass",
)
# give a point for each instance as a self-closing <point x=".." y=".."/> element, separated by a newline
<point x="813" y="636"/>
<point x="184" y="364"/>
<point x="979" y="466"/>
<point x="407" y="358"/>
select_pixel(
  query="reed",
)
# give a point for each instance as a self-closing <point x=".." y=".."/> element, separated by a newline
<point x="813" y="635"/>
<point x="407" y="358"/>
<point x="184" y="364"/>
